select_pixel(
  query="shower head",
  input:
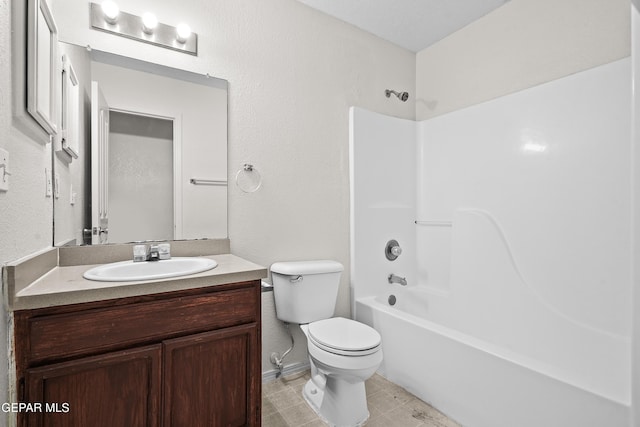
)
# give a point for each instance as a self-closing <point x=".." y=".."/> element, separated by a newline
<point x="402" y="96"/>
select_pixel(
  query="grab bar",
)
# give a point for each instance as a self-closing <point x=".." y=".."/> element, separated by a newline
<point x="199" y="181"/>
<point x="435" y="223"/>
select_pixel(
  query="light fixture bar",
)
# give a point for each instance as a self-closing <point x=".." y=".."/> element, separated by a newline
<point x="131" y="26"/>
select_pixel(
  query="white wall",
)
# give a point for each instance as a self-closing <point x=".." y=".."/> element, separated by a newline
<point x="293" y="74"/>
<point x="519" y="45"/>
<point x="26" y="215"/>
<point x="140" y="178"/>
<point x="635" y="185"/>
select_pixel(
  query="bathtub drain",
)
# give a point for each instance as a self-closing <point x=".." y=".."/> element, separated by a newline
<point x="392" y="299"/>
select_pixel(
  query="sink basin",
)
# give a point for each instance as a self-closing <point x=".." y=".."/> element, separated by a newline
<point x="126" y="271"/>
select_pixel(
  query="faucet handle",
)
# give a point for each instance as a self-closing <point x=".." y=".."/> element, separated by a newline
<point x="392" y="250"/>
<point x="164" y="251"/>
<point x="139" y="253"/>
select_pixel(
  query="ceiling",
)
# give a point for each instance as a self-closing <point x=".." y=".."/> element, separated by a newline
<point x="412" y="24"/>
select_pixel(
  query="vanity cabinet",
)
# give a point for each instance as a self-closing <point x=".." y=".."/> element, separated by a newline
<point x="184" y="358"/>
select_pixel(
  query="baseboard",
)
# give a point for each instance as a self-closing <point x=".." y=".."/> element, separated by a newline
<point x="294" y="368"/>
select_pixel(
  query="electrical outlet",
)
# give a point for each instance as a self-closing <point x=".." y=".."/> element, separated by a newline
<point x="4" y="170"/>
<point x="48" y="192"/>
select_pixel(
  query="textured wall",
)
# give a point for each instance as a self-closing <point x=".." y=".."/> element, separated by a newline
<point x="519" y="45"/>
<point x="5" y="119"/>
<point x="25" y="213"/>
<point x="635" y="355"/>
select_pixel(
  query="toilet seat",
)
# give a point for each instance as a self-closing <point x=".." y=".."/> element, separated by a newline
<point x="345" y="337"/>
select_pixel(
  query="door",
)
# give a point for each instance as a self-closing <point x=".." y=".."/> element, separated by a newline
<point x="210" y="379"/>
<point x="115" y="389"/>
<point x="99" y="166"/>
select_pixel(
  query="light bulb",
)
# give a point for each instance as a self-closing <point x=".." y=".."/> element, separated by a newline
<point x="110" y="10"/>
<point x="149" y="22"/>
<point x="183" y="31"/>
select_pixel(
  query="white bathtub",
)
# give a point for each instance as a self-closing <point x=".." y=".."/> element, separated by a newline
<point x="475" y="382"/>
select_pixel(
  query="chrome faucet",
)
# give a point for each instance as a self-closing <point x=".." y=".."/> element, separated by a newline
<point x="397" y="279"/>
<point x="146" y="253"/>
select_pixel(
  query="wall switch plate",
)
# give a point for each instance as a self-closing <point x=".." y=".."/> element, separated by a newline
<point x="4" y="170"/>
<point x="48" y="192"/>
<point x="73" y="197"/>
<point x="56" y="185"/>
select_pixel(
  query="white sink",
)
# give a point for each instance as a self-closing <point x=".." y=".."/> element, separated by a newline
<point x="126" y="271"/>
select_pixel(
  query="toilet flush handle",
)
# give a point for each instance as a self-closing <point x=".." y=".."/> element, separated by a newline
<point x="295" y="279"/>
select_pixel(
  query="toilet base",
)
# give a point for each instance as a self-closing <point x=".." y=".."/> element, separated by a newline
<point x="337" y="402"/>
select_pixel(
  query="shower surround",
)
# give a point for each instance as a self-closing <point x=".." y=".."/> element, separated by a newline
<point x="514" y="217"/>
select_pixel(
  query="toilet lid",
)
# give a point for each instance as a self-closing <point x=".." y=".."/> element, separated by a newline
<point x="340" y="335"/>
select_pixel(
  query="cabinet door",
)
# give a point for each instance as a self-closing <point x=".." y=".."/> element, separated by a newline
<point x="213" y="379"/>
<point x="115" y="389"/>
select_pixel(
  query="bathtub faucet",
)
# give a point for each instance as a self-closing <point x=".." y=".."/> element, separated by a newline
<point x="397" y="279"/>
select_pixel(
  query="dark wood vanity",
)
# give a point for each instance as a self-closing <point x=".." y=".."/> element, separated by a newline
<point x="182" y="358"/>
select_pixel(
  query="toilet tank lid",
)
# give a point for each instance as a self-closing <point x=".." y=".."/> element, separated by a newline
<point x="298" y="268"/>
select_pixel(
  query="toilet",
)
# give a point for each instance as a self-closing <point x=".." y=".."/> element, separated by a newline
<point x="343" y="353"/>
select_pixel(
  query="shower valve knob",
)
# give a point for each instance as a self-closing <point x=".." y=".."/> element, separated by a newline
<point x="392" y="250"/>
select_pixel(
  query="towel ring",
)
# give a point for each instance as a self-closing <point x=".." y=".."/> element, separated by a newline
<point x="248" y="178"/>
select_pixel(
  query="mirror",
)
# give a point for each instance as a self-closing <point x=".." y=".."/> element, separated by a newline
<point x="150" y="161"/>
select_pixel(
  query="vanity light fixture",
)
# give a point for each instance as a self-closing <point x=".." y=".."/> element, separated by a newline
<point x="183" y="32"/>
<point x="149" y="22"/>
<point x="110" y="11"/>
<point x="145" y="28"/>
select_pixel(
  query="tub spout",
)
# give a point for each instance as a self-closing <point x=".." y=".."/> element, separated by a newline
<point x="397" y="279"/>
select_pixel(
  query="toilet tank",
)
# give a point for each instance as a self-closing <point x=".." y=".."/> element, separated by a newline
<point x="305" y="291"/>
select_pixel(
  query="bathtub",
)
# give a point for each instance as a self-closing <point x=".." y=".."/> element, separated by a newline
<point x="479" y="383"/>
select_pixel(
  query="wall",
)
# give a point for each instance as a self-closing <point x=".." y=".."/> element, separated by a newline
<point x="293" y="74"/>
<point x="519" y="45"/>
<point x="5" y="124"/>
<point x="140" y="178"/>
<point x="25" y="213"/>
<point x="635" y="185"/>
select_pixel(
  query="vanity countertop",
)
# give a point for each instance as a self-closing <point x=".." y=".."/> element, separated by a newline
<point x="65" y="285"/>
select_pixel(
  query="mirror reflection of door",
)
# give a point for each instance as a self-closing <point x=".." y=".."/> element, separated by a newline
<point x="133" y="174"/>
<point x="140" y="175"/>
<point x="99" y="170"/>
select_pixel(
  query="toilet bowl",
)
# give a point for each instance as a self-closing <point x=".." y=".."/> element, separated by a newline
<point x="343" y="353"/>
<point x="339" y="369"/>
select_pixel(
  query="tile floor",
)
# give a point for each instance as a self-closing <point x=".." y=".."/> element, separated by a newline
<point x="389" y="405"/>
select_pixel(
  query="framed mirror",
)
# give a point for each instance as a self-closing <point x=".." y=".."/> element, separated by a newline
<point x="42" y="65"/>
